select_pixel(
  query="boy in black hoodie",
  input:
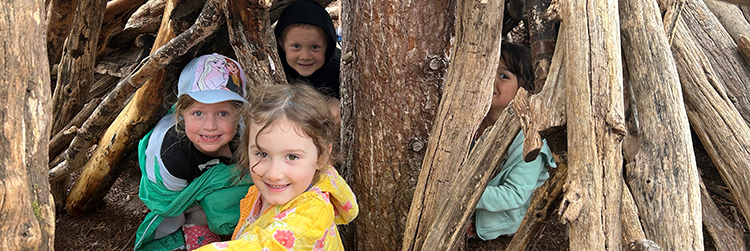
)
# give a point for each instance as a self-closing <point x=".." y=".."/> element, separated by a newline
<point x="307" y="48"/>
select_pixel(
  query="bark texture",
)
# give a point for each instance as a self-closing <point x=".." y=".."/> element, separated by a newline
<point x="390" y="93"/>
<point x="433" y="217"/>
<point x="662" y="173"/>
<point x="27" y="213"/>
<point x="595" y="124"/>
<point x="134" y="121"/>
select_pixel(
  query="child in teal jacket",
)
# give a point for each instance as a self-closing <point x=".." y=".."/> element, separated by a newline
<point x="506" y="198"/>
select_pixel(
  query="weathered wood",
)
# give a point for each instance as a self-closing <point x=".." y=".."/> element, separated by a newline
<point x="711" y="110"/>
<point x="740" y="2"/>
<point x="663" y="167"/>
<point x="27" y="213"/>
<point x="475" y="60"/>
<point x="632" y="231"/>
<point x="134" y="121"/>
<point x="745" y="12"/>
<point x="719" y="49"/>
<point x="60" y="15"/>
<point x="743" y="46"/>
<point x="116" y="15"/>
<point x="253" y="41"/>
<point x="724" y="236"/>
<point x="390" y="94"/>
<point x="542" y="36"/>
<point x="145" y="20"/>
<point x="448" y="232"/>
<point x="545" y="115"/>
<point x="62" y="139"/>
<point x="205" y="24"/>
<point x="730" y="17"/>
<point x="595" y="124"/>
<point x="76" y="69"/>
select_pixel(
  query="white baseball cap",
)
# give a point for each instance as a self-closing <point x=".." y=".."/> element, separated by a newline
<point x="212" y="78"/>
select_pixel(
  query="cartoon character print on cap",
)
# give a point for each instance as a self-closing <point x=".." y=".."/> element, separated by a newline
<point x="213" y="74"/>
<point x="235" y="80"/>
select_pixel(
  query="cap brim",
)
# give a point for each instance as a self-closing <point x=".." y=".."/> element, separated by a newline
<point x="215" y="96"/>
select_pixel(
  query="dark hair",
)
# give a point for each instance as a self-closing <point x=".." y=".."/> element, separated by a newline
<point x="300" y="104"/>
<point x="518" y="60"/>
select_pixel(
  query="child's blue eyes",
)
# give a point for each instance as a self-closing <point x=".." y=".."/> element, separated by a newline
<point x="198" y="113"/>
<point x="223" y="114"/>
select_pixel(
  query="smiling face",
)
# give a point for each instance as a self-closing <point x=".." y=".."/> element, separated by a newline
<point x="283" y="161"/>
<point x="504" y="88"/>
<point x="211" y="127"/>
<point x="305" y="48"/>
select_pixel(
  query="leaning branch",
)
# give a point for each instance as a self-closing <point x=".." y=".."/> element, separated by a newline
<point x="105" y="113"/>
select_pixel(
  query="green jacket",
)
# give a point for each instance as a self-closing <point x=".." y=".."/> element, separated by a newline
<point x="506" y="198"/>
<point x="218" y="191"/>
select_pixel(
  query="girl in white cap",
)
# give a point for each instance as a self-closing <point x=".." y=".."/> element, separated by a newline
<point x="188" y="177"/>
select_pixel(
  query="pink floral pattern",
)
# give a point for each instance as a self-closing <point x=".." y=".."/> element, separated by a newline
<point x="285" y="238"/>
<point x="283" y="215"/>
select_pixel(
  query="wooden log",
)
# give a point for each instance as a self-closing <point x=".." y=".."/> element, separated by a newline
<point x="76" y="69"/>
<point x="60" y="15"/>
<point x="595" y="124"/>
<point x="711" y="111"/>
<point x="448" y="232"/>
<point x="116" y="15"/>
<point x="27" y="214"/>
<point x="104" y="114"/>
<point x="134" y="121"/>
<point x="390" y="91"/>
<point x="724" y="236"/>
<point x="475" y="61"/>
<point x="632" y="231"/>
<point x="740" y="2"/>
<point x="62" y="139"/>
<point x="145" y="20"/>
<point x="730" y="17"/>
<point x="743" y="46"/>
<point x="745" y="12"/>
<point x="662" y="168"/>
<point x="719" y="49"/>
<point x="542" y="35"/>
<point x="548" y="111"/>
<point x="254" y="43"/>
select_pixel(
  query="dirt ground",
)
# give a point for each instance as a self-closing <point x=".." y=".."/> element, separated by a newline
<point x="112" y="226"/>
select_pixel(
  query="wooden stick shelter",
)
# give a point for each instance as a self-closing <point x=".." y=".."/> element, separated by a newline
<point x="620" y="85"/>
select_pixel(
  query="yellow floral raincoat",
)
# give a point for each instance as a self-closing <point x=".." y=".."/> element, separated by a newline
<point x="307" y="222"/>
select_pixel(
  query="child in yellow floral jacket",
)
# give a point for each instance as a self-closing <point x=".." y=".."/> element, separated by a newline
<point x="298" y="197"/>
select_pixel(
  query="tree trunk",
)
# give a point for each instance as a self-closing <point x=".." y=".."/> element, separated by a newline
<point x="27" y="213"/>
<point x="472" y="70"/>
<point x="743" y="46"/>
<point x="138" y="117"/>
<point x="545" y="115"/>
<point x="390" y="92"/>
<point x="663" y="168"/>
<point x="60" y="15"/>
<point x="254" y="43"/>
<point x="76" y="70"/>
<point x="595" y="124"/>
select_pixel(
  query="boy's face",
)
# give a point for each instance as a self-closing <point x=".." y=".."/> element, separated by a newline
<point x="305" y="48"/>
<point x="504" y="88"/>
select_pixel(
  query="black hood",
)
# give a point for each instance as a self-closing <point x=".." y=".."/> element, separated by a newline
<point x="309" y="12"/>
